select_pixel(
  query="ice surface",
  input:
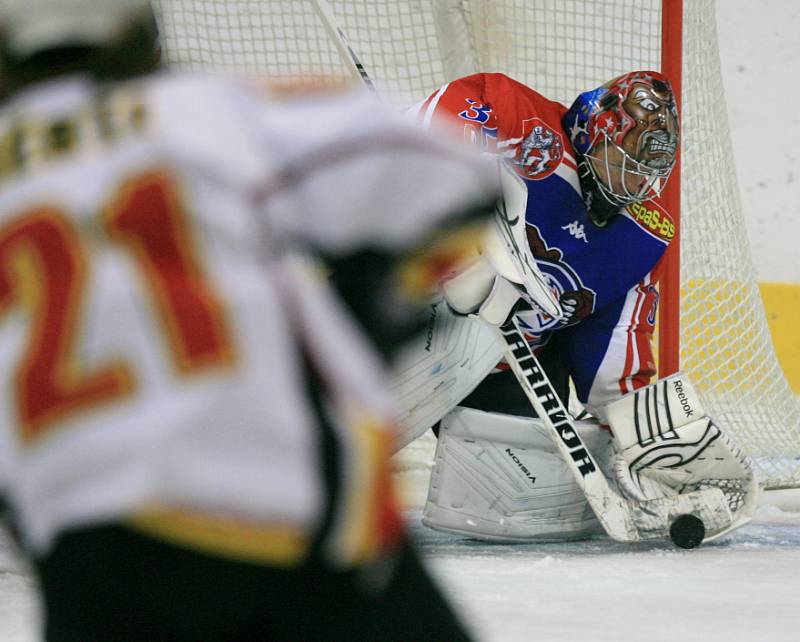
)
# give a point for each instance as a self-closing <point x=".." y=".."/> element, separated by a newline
<point x="742" y="588"/>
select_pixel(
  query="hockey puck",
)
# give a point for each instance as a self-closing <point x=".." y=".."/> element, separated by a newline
<point x="687" y="531"/>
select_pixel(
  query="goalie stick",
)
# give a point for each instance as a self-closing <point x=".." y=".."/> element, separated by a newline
<point x="624" y="520"/>
<point x="347" y="53"/>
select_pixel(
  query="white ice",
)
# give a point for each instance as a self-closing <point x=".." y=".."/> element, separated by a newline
<point x="742" y="588"/>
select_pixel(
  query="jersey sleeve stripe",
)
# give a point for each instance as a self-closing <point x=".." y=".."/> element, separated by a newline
<point x="426" y="121"/>
<point x="637" y="342"/>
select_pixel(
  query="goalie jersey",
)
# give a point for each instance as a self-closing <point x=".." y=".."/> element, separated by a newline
<point x="605" y="277"/>
<point x="166" y="359"/>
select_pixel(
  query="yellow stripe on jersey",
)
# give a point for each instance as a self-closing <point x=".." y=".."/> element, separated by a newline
<point x="444" y="254"/>
<point x="361" y="531"/>
<point x="241" y="540"/>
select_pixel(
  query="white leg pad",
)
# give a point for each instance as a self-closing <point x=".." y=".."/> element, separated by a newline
<point x="499" y="477"/>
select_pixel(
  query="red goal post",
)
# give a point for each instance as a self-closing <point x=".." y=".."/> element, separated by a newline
<point x="712" y="323"/>
<point x="670" y="287"/>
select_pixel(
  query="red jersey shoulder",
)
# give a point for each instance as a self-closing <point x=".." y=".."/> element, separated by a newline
<point x="653" y="218"/>
<point x="504" y="116"/>
<point x="516" y="101"/>
<point x="530" y="130"/>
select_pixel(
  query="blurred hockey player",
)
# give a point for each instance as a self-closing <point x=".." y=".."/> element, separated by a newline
<point x="584" y="194"/>
<point x="194" y="433"/>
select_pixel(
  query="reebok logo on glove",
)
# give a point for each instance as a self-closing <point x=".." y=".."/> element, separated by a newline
<point x="682" y="398"/>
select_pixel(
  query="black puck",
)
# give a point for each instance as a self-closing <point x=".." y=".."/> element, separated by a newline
<point x="687" y="531"/>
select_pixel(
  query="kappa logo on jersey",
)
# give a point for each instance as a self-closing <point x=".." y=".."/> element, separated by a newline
<point x="577" y="230"/>
<point x="541" y="151"/>
<point x="653" y="220"/>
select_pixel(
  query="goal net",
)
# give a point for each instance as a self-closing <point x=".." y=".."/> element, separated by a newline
<point x="410" y="47"/>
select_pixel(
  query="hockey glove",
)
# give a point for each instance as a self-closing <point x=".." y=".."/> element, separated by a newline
<point x="667" y="445"/>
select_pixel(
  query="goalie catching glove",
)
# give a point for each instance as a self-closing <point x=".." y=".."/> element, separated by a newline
<point x="666" y="445"/>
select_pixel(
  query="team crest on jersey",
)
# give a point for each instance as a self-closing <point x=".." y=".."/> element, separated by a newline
<point x="541" y="151"/>
<point x="577" y="301"/>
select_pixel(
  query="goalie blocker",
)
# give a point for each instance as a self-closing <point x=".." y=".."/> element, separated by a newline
<point x="500" y="478"/>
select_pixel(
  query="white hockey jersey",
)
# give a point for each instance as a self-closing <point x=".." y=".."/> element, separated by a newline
<point x="149" y="315"/>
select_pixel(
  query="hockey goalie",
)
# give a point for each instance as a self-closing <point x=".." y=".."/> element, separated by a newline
<point x="575" y="264"/>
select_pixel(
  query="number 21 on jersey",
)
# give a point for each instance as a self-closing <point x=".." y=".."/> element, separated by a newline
<point x="45" y="269"/>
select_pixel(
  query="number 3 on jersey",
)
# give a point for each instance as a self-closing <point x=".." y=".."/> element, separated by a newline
<point x="43" y="269"/>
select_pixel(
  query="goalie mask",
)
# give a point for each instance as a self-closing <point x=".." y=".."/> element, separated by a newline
<point x="626" y="134"/>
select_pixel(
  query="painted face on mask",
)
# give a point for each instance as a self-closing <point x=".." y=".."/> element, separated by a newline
<point x="653" y="139"/>
<point x="628" y="134"/>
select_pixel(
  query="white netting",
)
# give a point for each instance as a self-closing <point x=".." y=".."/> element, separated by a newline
<point x="559" y="47"/>
<point x="725" y="341"/>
